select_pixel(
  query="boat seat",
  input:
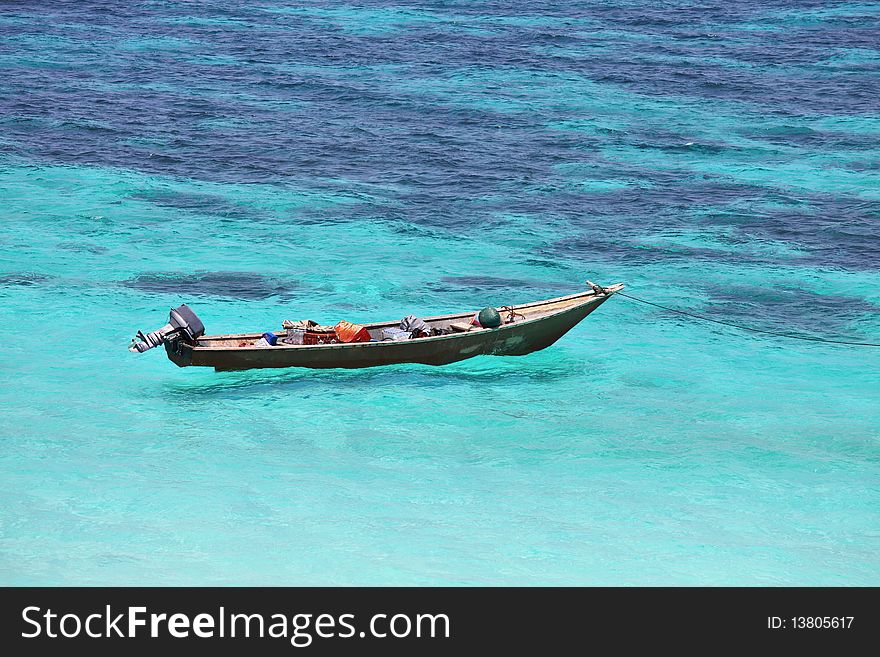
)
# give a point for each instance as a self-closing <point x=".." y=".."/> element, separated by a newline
<point x="461" y="327"/>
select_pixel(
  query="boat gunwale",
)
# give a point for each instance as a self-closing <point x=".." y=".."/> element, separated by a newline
<point x="589" y="297"/>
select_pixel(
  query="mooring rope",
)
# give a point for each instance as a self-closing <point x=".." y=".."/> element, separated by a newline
<point x="749" y="328"/>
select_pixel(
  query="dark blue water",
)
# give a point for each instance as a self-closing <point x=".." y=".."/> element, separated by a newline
<point x="264" y="162"/>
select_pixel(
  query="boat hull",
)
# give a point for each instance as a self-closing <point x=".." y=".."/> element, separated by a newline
<point x="515" y="339"/>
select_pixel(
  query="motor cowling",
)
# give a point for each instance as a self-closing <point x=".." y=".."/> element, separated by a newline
<point x="182" y="323"/>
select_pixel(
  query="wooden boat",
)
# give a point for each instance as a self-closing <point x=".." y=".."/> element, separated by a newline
<point x="526" y="328"/>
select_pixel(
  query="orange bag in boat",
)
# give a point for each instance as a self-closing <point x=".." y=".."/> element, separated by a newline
<point x="348" y="332"/>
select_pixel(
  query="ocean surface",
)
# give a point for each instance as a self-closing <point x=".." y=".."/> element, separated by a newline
<point x="268" y="161"/>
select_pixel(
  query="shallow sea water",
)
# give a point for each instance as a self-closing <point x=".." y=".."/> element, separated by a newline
<point x="329" y="161"/>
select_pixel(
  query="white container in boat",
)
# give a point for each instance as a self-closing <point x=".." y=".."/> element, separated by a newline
<point x="395" y="334"/>
<point x="294" y="337"/>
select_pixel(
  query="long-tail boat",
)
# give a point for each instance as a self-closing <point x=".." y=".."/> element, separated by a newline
<point x="448" y="338"/>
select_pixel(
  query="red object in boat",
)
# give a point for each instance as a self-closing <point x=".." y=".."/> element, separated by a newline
<point x="348" y="332"/>
<point x="319" y="338"/>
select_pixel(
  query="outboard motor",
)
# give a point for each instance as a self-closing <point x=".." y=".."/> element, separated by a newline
<point x="182" y="321"/>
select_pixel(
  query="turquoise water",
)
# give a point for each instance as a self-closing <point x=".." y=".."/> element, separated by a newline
<point x="334" y="162"/>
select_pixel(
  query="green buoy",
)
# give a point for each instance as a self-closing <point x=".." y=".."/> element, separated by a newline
<point x="489" y="318"/>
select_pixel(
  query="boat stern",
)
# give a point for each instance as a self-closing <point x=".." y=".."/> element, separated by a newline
<point x="179" y="351"/>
